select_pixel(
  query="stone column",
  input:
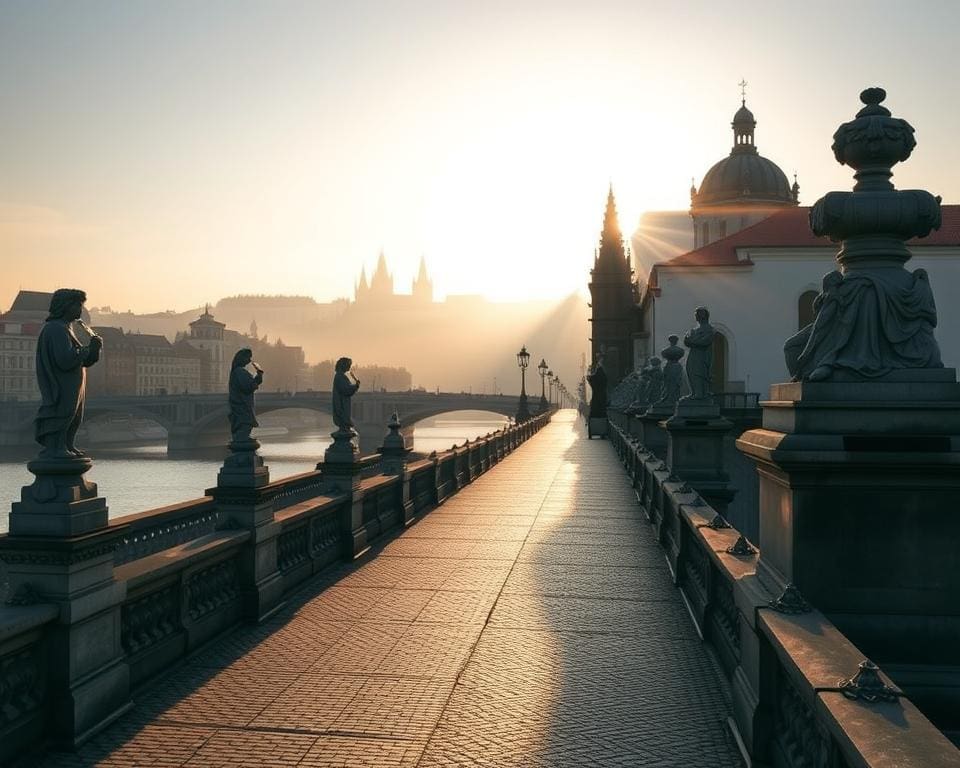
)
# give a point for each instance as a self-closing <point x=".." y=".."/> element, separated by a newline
<point x="394" y="452"/>
<point x="342" y="473"/>
<point x="858" y="456"/>
<point x="60" y="551"/>
<point x="695" y="451"/>
<point x="245" y="502"/>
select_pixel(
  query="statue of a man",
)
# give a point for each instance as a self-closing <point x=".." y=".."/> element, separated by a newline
<point x="597" y="379"/>
<point x="61" y="374"/>
<point x="343" y="390"/>
<point x="700" y="361"/>
<point x="672" y="372"/>
<point x="242" y="385"/>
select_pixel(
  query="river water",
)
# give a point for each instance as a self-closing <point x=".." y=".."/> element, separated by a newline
<point x="135" y="479"/>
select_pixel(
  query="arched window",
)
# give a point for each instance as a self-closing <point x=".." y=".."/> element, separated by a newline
<point x="719" y="373"/>
<point x="805" y="313"/>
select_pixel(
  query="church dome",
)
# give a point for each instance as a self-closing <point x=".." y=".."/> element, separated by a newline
<point x="745" y="175"/>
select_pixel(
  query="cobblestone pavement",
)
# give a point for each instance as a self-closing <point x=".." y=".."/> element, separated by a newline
<point x="528" y="621"/>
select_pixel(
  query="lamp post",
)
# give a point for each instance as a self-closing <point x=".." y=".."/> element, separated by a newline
<point x="523" y="360"/>
<point x="543" y="373"/>
<point x="559" y="389"/>
<point x="550" y="382"/>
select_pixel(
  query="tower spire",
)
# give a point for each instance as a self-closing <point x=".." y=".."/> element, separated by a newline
<point x="612" y="253"/>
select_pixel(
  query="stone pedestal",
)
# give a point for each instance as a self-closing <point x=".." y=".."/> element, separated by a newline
<point x="60" y="501"/>
<point x="243" y="467"/>
<point x="342" y="473"/>
<point x="651" y="434"/>
<point x="859" y="484"/>
<point x="596" y="427"/>
<point x="695" y="435"/>
<point x="60" y="551"/>
<point x="394" y="462"/>
<point x="245" y="502"/>
<point x="394" y="449"/>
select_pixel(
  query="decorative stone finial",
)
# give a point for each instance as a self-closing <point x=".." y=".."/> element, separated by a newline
<point x="867" y="685"/>
<point x="790" y="601"/>
<point x="872" y="143"/>
<point x="873" y="317"/>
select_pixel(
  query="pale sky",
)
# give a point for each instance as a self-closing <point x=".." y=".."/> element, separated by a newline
<point x="163" y="154"/>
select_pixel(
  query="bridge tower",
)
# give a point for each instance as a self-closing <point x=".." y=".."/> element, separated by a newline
<point x="613" y="298"/>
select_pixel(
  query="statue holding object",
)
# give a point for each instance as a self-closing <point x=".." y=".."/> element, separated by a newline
<point x="345" y="386"/>
<point x="242" y="386"/>
<point x="61" y="365"/>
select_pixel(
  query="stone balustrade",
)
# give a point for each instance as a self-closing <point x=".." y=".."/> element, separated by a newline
<point x="785" y="662"/>
<point x="186" y="573"/>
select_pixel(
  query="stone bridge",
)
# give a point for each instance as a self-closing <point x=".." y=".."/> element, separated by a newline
<point x="193" y="421"/>
<point x="404" y="619"/>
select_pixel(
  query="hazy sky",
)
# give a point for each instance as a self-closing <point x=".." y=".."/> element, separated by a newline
<point x="162" y="154"/>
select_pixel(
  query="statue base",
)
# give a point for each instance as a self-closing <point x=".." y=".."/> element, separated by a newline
<point x="690" y="409"/>
<point x="695" y="454"/>
<point x="243" y="467"/>
<point x="60" y="502"/>
<point x="652" y="435"/>
<point x="344" y="448"/>
<point x="858" y="481"/>
<point x="596" y="427"/>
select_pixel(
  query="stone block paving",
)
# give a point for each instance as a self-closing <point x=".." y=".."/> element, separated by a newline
<point x="528" y="621"/>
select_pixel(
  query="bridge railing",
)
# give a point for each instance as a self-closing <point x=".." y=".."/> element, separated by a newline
<point x="190" y="571"/>
<point x="784" y="664"/>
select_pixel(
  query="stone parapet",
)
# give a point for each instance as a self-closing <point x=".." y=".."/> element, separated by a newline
<point x="789" y="666"/>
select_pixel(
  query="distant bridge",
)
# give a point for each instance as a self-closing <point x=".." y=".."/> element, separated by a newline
<point x="192" y="421"/>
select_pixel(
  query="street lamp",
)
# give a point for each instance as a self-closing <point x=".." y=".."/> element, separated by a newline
<point x="543" y="397"/>
<point x="550" y="382"/>
<point x="523" y="360"/>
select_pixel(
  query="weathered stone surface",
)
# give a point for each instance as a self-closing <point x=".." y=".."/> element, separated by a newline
<point x="526" y="622"/>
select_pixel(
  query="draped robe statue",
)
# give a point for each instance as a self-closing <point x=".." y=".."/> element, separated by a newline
<point x="61" y="365"/>
<point x="700" y="361"/>
<point x="242" y="385"/>
<point x="597" y="379"/>
<point x="869" y="323"/>
<point x="672" y="373"/>
<point x="343" y="390"/>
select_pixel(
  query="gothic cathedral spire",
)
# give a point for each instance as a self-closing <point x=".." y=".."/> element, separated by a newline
<point x="614" y="311"/>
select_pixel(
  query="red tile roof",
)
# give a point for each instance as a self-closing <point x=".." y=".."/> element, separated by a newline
<point x="789" y="228"/>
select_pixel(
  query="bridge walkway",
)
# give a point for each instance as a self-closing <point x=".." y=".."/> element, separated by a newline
<point x="529" y="621"/>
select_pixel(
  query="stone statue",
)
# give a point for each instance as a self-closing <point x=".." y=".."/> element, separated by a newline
<point x="673" y="385"/>
<point x="654" y="381"/>
<point x="242" y="385"/>
<point x="61" y="374"/>
<point x="867" y="323"/>
<point x="597" y="379"/>
<point x="873" y="316"/>
<point x="343" y="390"/>
<point x="700" y="361"/>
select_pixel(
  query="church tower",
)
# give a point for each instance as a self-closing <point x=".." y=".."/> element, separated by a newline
<point x="362" y="288"/>
<point x="613" y="299"/>
<point x="423" y="286"/>
<point x="381" y="284"/>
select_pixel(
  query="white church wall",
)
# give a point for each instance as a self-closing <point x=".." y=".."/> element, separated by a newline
<point x="756" y="306"/>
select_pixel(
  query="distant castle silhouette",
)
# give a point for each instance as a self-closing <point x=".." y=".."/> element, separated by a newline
<point x="380" y="288"/>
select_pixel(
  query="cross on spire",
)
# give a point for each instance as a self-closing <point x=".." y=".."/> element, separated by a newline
<point x="743" y="91"/>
